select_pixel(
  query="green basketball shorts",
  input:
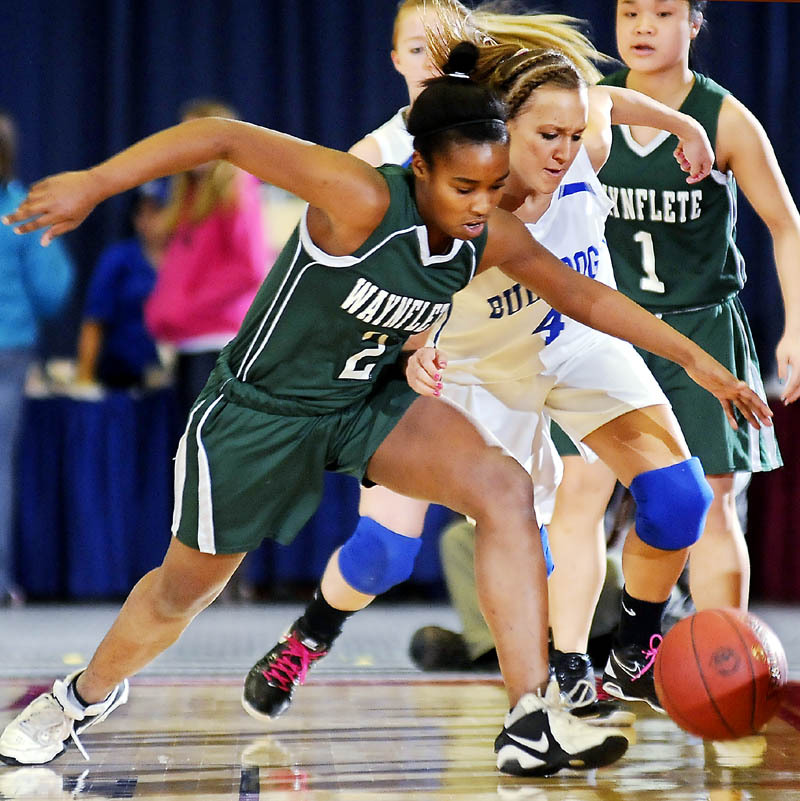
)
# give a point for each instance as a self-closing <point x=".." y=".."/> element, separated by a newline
<point x="251" y="466"/>
<point x="722" y="331"/>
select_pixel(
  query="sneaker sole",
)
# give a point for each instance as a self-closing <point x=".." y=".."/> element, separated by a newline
<point x="621" y="717"/>
<point x="616" y="691"/>
<point x="258" y="714"/>
<point x="598" y="757"/>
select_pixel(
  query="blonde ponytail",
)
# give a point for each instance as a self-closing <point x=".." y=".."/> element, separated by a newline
<point x="487" y="27"/>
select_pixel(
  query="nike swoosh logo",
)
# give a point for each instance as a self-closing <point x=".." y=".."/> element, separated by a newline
<point x="628" y="611"/>
<point x="632" y="673"/>
<point x="541" y="745"/>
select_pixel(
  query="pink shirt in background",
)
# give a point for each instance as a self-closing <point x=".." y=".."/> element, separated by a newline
<point x="210" y="272"/>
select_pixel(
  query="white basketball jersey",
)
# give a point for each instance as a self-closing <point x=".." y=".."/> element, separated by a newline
<point x="498" y="331"/>
<point x="394" y="141"/>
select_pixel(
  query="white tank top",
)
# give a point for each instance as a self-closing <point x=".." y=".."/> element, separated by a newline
<point x="498" y="331"/>
<point x="394" y="141"/>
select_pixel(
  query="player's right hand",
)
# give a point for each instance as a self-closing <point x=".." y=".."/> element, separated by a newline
<point x="425" y="371"/>
<point x="58" y="203"/>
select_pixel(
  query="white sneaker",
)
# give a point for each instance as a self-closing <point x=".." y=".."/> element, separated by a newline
<point x="540" y="737"/>
<point x="42" y="730"/>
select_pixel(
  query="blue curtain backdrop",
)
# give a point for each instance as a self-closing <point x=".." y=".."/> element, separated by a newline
<point x="84" y="78"/>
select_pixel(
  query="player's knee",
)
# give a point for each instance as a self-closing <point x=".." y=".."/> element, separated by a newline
<point x="374" y="558"/>
<point x="671" y="505"/>
<point x="504" y="493"/>
<point x="173" y="600"/>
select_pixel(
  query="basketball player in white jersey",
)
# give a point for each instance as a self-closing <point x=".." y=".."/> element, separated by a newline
<point x="490" y="342"/>
<point x="509" y="356"/>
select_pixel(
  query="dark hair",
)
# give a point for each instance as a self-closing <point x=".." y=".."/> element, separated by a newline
<point x="696" y="7"/>
<point x="8" y="147"/>
<point x="455" y="109"/>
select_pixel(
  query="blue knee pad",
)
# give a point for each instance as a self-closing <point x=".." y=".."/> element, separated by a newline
<point x="548" y="557"/>
<point x="672" y="504"/>
<point x="375" y="558"/>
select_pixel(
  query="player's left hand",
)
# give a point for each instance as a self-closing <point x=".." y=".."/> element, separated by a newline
<point x="425" y="371"/>
<point x="695" y="155"/>
<point x="58" y="203"/>
<point x="787" y="356"/>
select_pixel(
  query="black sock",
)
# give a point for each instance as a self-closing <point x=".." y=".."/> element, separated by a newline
<point x="639" y="620"/>
<point x="74" y="687"/>
<point x="321" y="621"/>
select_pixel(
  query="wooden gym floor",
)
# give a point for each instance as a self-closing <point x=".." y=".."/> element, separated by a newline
<point x="366" y="726"/>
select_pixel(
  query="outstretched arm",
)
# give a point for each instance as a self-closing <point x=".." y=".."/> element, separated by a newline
<point x="746" y="150"/>
<point x="350" y="194"/>
<point x="517" y="254"/>
<point x="614" y="105"/>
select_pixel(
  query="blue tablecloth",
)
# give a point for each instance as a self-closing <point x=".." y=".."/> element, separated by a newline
<point x="95" y="502"/>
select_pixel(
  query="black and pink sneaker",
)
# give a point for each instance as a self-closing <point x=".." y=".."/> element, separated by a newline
<point x="269" y="686"/>
<point x="629" y="673"/>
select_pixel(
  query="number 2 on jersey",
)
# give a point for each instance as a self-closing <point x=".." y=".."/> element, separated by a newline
<point x="651" y="282"/>
<point x="363" y="373"/>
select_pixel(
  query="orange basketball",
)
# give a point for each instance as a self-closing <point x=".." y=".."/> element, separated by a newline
<point x="720" y="673"/>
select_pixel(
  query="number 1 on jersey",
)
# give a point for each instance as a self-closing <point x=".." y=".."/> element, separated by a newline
<point x="363" y="373"/>
<point x="651" y="282"/>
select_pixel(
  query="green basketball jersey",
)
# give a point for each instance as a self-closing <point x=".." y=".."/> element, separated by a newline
<point x="673" y="244"/>
<point x="322" y="327"/>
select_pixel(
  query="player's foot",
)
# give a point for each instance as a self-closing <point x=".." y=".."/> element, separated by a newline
<point x="629" y="673"/>
<point x="575" y="676"/>
<point x="540" y="737"/>
<point x="604" y="712"/>
<point x="269" y="686"/>
<point x="574" y="672"/>
<point x="44" y="728"/>
<point x="436" y="648"/>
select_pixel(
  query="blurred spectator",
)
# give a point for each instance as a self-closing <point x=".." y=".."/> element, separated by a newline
<point x="214" y="263"/>
<point x="34" y="283"/>
<point x="115" y="348"/>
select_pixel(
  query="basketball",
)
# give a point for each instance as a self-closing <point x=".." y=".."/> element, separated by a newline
<point x="720" y="673"/>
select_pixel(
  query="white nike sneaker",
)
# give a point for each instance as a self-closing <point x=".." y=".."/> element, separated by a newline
<point x="540" y="737"/>
<point x="42" y="730"/>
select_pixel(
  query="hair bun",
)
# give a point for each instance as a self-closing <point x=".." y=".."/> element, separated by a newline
<point x="462" y="59"/>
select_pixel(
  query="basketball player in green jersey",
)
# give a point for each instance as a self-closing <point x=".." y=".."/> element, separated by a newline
<point x="674" y="253"/>
<point x="308" y="385"/>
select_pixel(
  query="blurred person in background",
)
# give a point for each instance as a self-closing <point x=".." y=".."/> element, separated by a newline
<point x="34" y="284"/>
<point x="215" y="259"/>
<point x="115" y="349"/>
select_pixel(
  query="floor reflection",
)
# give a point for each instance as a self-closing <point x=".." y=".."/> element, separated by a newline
<point x="366" y="741"/>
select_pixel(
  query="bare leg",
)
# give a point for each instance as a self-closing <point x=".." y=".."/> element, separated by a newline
<point x="155" y="614"/>
<point x="719" y="564"/>
<point x="640" y="440"/>
<point x="436" y="454"/>
<point x="337" y="592"/>
<point x="396" y="512"/>
<point x="578" y="540"/>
